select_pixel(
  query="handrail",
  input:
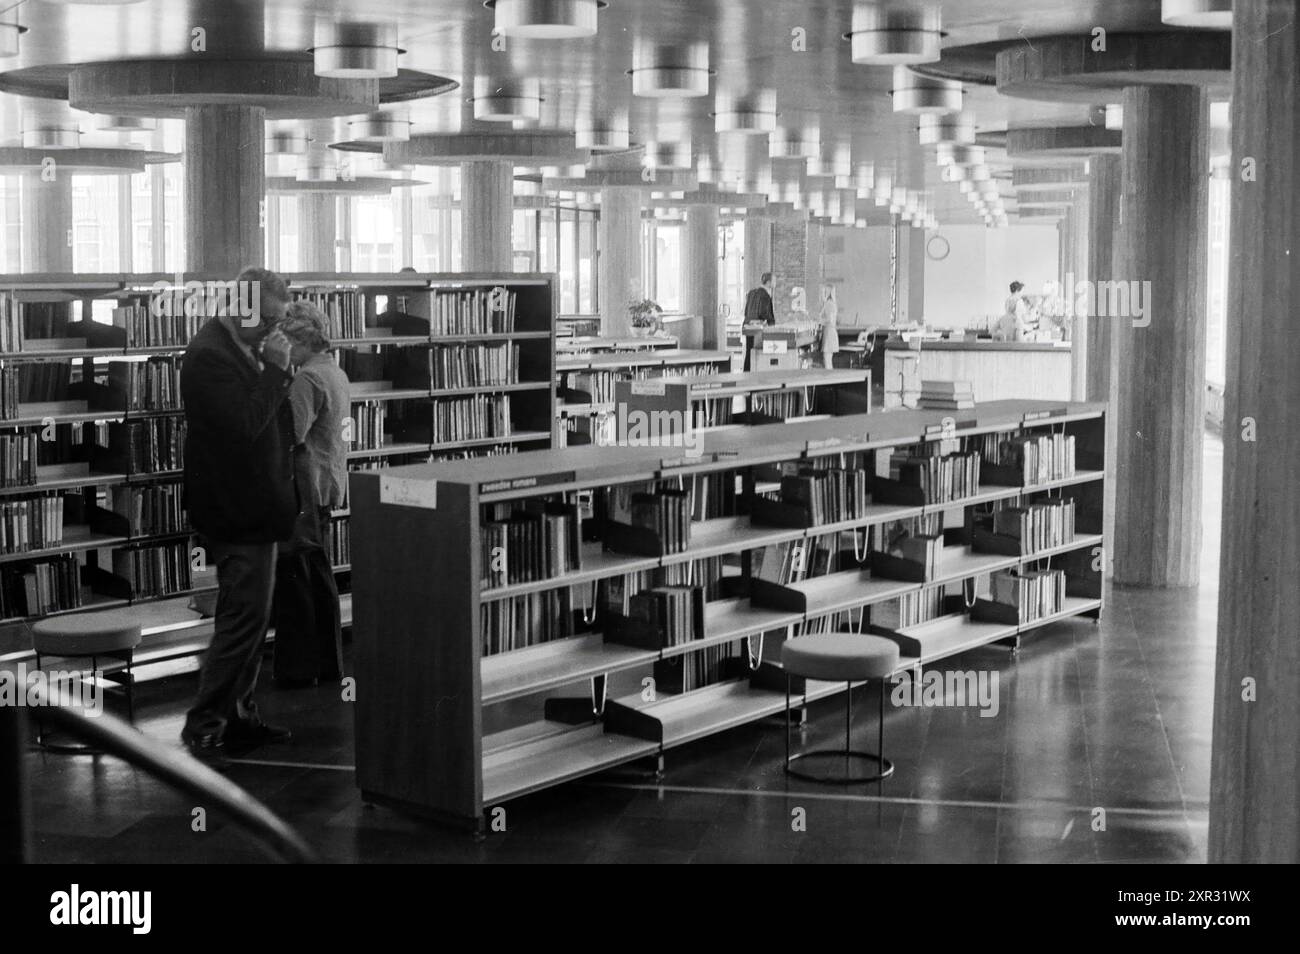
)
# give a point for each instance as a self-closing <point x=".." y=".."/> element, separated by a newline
<point x="183" y="773"/>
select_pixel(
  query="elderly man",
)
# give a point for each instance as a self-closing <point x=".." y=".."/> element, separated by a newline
<point x="240" y="493"/>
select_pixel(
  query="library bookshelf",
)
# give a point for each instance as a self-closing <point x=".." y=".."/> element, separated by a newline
<point x="437" y="371"/>
<point x="431" y="661"/>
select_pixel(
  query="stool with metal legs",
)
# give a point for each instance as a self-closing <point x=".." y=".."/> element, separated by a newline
<point x="848" y="658"/>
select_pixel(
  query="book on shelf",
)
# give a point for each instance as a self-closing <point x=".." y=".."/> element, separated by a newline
<point x="910" y="609"/>
<point x="9" y="392"/>
<point x="340" y="540"/>
<point x="531" y="544"/>
<point x="476" y="417"/>
<point x="476" y="312"/>
<point x="150" y="446"/>
<point x="695" y="670"/>
<point x="40" y="382"/>
<point x="19" y="453"/>
<point x="150" y="510"/>
<point x="665" y="512"/>
<point x="11" y="325"/>
<point x="1030" y="459"/>
<point x="517" y="622"/>
<point x="32" y="522"/>
<point x="344" y="309"/>
<point x="828" y="495"/>
<point x="1038" y="526"/>
<point x="150" y="385"/>
<point x="475" y="365"/>
<point x="152" y="571"/>
<point x="672" y="613"/>
<point x="174" y="327"/>
<point x="941" y="479"/>
<point x="40" y="588"/>
<point x="1033" y="594"/>
<point x="776" y="405"/>
<point x="793" y="561"/>
<point x="946" y="395"/>
<point x="369" y="420"/>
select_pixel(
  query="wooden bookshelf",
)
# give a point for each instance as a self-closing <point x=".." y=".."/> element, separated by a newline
<point x="419" y="593"/>
<point x="53" y="313"/>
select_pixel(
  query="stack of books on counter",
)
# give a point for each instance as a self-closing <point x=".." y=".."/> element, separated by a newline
<point x="946" y="395"/>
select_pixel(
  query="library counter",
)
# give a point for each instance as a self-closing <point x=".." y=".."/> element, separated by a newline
<point x="997" y="370"/>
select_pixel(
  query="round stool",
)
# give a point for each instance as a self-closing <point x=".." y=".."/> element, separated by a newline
<point x="113" y="633"/>
<point x="847" y="658"/>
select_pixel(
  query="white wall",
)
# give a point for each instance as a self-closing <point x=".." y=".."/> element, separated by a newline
<point x="972" y="282"/>
<point x="860" y="274"/>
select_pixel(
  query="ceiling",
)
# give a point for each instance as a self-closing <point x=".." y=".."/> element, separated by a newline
<point x="750" y="44"/>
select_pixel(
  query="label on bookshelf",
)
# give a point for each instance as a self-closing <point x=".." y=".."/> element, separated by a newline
<point x="1031" y="416"/>
<point x="676" y="463"/>
<point x="648" y="386"/>
<point x="402" y="492"/>
<point x="811" y="446"/>
<point x="526" y="483"/>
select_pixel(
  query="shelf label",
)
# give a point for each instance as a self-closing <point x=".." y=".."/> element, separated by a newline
<point x="648" y="386"/>
<point x="707" y="386"/>
<point x="404" y="492"/>
<point x="676" y="463"/>
<point x="726" y="455"/>
<point x="811" y="446"/>
<point x="526" y="483"/>
<point x="1031" y="416"/>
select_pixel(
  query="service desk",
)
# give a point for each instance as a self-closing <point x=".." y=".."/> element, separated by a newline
<point x="997" y="370"/>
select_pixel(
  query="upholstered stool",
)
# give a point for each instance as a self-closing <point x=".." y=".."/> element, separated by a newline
<point x="848" y="658"/>
<point x="113" y="634"/>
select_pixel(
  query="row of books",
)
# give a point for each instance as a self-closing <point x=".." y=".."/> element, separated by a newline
<point x="368" y="421"/>
<point x="148" y="446"/>
<point x="689" y="671"/>
<point x="532" y="544"/>
<point x="669" y="611"/>
<point x="477" y="312"/>
<point x="793" y="561"/>
<point x="779" y="404"/>
<point x="666" y="511"/>
<point x="174" y="328"/>
<point x="1034" y="593"/>
<point x="941" y="479"/>
<point x="18" y="457"/>
<point x="344" y="308"/>
<point x="471" y="418"/>
<point x="11" y="325"/>
<point x="31" y="523"/>
<point x="10" y="392"/>
<point x="518" y="622"/>
<point x="920" y="548"/>
<point x="910" y="609"/>
<point x="474" y="365"/>
<point x="152" y="385"/>
<point x="828" y="495"/>
<point x="40" y="588"/>
<point x="946" y="395"/>
<point x="1038" y="526"/>
<point x="150" y="510"/>
<point x="1036" y="459"/>
<point x="152" y="571"/>
<point x="340" y="541"/>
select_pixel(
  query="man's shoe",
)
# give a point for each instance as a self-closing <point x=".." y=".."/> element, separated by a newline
<point x="250" y="734"/>
<point x="207" y="748"/>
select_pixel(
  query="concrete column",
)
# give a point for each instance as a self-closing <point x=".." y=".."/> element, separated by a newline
<point x="1160" y="411"/>
<point x="619" y="274"/>
<point x="789" y="267"/>
<point x="758" y="249"/>
<point x="317" y="232"/>
<point x="700" y="280"/>
<point x="910" y="274"/>
<point x="225" y="185"/>
<point x="486" y="216"/>
<point x="1255" y="765"/>
<point x="46" y="211"/>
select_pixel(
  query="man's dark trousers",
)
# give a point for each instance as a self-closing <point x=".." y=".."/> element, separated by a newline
<point x="308" y="630"/>
<point x="228" y="676"/>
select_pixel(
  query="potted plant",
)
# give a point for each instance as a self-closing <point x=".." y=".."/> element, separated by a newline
<point x="645" y="316"/>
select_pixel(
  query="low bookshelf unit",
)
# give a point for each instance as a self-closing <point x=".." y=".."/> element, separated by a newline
<point x="526" y="621"/>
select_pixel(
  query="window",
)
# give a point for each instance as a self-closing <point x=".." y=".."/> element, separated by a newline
<point x="95" y="245"/>
<point x="668" y="266"/>
<point x="1216" y="342"/>
<point x="11" y="236"/>
<point x="287" y="212"/>
<point x="376" y="233"/>
<point x="435" y="221"/>
<point x="731" y="271"/>
<point x="566" y="240"/>
<point x="524" y="232"/>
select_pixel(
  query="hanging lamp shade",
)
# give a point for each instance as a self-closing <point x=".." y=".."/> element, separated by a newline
<point x="670" y="70"/>
<point x="893" y="33"/>
<point x="914" y="93"/>
<point x="10" y="31"/>
<point x="379" y="127"/>
<point x="507" y="100"/>
<point x="935" y="129"/>
<point x="51" y="137"/>
<point x="752" y="115"/>
<point x="609" y="134"/>
<point x="545" y="19"/>
<point x="356" y="51"/>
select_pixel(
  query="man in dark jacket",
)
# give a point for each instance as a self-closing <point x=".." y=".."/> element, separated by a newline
<point x="758" y="311"/>
<point x="241" y="497"/>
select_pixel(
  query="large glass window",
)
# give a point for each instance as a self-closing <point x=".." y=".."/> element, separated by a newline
<point x="435" y="221"/>
<point x="11" y="236"/>
<point x="524" y="237"/>
<point x="566" y="241"/>
<point x="286" y="208"/>
<point x="668" y="266"/>
<point x="731" y="271"/>
<point x="376" y="233"/>
<point x="95" y="244"/>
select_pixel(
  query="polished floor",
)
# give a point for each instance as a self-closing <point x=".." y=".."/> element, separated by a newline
<point x="1100" y="753"/>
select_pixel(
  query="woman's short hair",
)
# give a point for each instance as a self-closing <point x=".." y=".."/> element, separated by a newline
<point x="1016" y="286"/>
<point x="306" y="324"/>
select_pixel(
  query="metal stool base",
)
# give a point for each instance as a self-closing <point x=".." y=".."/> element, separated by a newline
<point x="886" y="767"/>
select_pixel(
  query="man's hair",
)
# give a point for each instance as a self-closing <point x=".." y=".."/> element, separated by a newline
<point x="767" y="277"/>
<point x="305" y="324"/>
<point x="1016" y="286"/>
<point x="270" y="285"/>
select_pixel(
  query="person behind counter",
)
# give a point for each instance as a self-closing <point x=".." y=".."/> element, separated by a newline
<point x="1011" y="326"/>
<point x="829" y="318"/>
<point x="758" y="303"/>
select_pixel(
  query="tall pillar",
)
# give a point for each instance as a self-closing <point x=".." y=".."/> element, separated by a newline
<point x="707" y="329"/>
<point x="1254" y="767"/>
<point x="789" y="266"/>
<point x="619" y="272"/>
<point x="1075" y="267"/>
<point x="1103" y="226"/>
<point x="317" y="231"/>
<point x="46" y="210"/>
<point x="225" y="185"/>
<point x="758" y="249"/>
<point x="1160" y="412"/>
<point x="486" y="216"/>
<point x="909" y="274"/>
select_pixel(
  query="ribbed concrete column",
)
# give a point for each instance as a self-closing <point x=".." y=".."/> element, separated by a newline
<point x="700" y="279"/>
<point x="758" y="249"/>
<point x="486" y="216"/>
<point x="1255" y="766"/>
<point x="317" y="232"/>
<point x="46" y="208"/>
<point x="619" y="273"/>
<point x="1075" y="268"/>
<point x="789" y="265"/>
<point x="1160" y="410"/>
<point x="225" y="184"/>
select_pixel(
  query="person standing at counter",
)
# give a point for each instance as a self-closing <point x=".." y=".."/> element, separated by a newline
<point x="1011" y="326"/>
<point x="829" y="320"/>
<point x="758" y="303"/>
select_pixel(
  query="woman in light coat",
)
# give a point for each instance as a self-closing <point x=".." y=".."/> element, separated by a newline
<point x="829" y="318"/>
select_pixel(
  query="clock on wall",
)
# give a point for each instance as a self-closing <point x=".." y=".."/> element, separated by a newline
<point x="937" y="248"/>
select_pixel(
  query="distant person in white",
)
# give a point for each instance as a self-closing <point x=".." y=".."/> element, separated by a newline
<point x="829" y="319"/>
<point x="1011" y="326"/>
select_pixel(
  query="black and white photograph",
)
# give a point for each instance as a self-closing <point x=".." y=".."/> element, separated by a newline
<point x="650" y="432"/>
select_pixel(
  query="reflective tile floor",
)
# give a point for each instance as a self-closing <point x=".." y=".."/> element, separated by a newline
<point x="1100" y="753"/>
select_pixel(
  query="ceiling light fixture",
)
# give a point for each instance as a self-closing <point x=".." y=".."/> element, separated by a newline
<point x="608" y="135"/>
<point x="380" y="127"/>
<point x="935" y="129"/>
<point x="127" y="124"/>
<point x="503" y="101"/>
<point x="9" y="34"/>
<point x="752" y="115"/>
<point x="914" y="93"/>
<point x="51" y="137"/>
<point x="666" y="70"/>
<point x="356" y="51"/>
<point x="546" y="19"/>
<point x="787" y="143"/>
<point x="885" y="34"/>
